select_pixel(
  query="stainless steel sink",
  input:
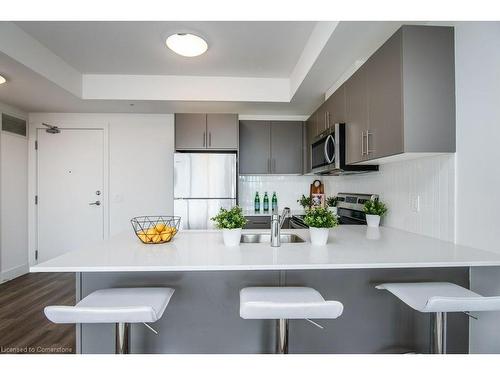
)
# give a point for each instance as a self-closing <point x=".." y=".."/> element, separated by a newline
<point x="266" y="238"/>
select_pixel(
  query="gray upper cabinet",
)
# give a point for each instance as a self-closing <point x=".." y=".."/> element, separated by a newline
<point x="356" y="116"/>
<point x="310" y="135"/>
<point x="286" y="147"/>
<point x="402" y="100"/>
<point x="428" y="58"/>
<point x="199" y="131"/>
<point x="322" y="119"/>
<point x="271" y="147"/>
<point x="384" y="84"/>
<point x="190" y="131"/>
<point x="222" y="130"/>
<point x="255" y="147"/>
<point x="336" y="107"/>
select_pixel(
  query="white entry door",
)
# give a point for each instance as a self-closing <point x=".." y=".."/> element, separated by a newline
<point x="70" y="209"/>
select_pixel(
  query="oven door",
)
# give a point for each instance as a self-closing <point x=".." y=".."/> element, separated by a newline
<point x="323" y="153"/>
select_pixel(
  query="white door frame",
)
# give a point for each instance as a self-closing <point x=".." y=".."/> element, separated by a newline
<point x="63" y="121"/>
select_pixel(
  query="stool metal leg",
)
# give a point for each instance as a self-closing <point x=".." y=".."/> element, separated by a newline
<point x="122" y="338"/>
<point x="438" y="333"/>
<point x="282" y="336"/>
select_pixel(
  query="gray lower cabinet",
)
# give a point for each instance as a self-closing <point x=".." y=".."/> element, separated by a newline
<point x="286" y="147"/>
<point x="271" y="147"/>
<point x="200" y="131"/>
<point x="255" y="147"/>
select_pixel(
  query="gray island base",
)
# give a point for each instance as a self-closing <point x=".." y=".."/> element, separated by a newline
<point x="203" y="315"/>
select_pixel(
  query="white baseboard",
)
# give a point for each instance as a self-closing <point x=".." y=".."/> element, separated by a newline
<point x="14" y="272"/>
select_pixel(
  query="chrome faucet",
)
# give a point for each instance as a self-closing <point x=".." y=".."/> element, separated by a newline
<point x="276" y="224"/>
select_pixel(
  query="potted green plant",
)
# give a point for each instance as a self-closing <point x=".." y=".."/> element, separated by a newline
<point x="331" y="203"/>
<point x="305" y="202"/>
<point x="230" y="221"/>
<point x="320" y="220"/>
<point x="374" y="210"/>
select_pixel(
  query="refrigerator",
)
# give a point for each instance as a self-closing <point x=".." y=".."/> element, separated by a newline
<point x="203" y="183"/>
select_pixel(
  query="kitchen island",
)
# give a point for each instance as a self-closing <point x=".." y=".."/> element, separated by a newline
<point x="349" y="247"/>
<point x="203" y="316"/>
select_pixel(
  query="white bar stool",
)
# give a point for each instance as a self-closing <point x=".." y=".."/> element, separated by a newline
<point x="284" y="303"/>
<point x="121" y="306"/>
<point x="440" y="298"/>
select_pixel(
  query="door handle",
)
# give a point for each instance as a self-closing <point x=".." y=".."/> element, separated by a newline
<point x="96" y="203"/>
<point x="209" y="139"/>
<point x="204" y="139"/>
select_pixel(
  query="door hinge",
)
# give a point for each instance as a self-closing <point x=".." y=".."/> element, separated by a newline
<point x="36" y="199"/>
<point x="36" y="145"/>
<point x="36" y="254"/>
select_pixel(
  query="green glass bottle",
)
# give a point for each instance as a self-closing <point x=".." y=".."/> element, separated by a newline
<point x="266" y="202"/>
<point x="274" y="202"/>
<point x="256" y="203"/>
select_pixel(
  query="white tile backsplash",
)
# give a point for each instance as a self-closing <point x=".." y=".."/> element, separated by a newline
<point x="430" y="180"/>
<point x="287" y="188"/>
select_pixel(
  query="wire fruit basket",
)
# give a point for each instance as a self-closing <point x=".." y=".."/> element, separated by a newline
<point x="156" y="229"/>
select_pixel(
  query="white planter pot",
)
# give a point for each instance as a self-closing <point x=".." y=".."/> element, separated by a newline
<point x="231" y="237"/>
<point x="319" y="236"/>
<point x="373" y="220"/>
<point x="333" y="210"/>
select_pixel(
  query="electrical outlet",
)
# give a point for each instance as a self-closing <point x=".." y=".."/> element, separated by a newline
<point x="415" y="203"/>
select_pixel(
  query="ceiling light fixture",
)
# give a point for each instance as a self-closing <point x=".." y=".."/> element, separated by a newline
<point x="2" y="80"/>
<point x="188" y="45"/>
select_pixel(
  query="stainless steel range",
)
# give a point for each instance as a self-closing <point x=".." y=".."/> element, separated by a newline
<point x="349" y="210"/>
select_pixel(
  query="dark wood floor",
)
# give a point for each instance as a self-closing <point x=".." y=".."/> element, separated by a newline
<point x="23" y="325"/>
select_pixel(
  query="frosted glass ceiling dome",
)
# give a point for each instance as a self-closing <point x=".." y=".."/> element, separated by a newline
<point x="188" y="45"/>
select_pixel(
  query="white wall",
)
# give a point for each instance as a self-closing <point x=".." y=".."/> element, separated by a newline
<point x="477" y="46"/>
<point x="139" y="169"/>
<point x="13" y="200"/>
<point x="400" y="184"/>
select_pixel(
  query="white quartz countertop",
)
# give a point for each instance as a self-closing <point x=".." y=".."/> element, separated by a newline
<point x="349" y="247"/>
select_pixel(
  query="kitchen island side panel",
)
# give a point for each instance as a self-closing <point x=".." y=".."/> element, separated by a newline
<point x="203" y="315"/>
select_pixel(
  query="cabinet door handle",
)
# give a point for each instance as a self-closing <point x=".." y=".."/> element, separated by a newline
<point x="204" y="139"/>
<point x="209" y="139"/>
<point x="269" y="165"/>
<point x="363" y="143"/>
<point x="368" y="133"/>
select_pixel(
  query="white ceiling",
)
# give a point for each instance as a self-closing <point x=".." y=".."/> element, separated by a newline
<point x="50" y="66"/>
<point x="241" y="49"/>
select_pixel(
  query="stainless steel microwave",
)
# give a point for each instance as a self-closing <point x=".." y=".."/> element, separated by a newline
<point x="328" y="154"/>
